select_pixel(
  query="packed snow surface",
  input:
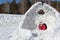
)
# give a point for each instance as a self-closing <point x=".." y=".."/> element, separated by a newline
<point x="8" y="24"/>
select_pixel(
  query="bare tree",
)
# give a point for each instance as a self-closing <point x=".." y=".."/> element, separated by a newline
<point x="24" y="6"/>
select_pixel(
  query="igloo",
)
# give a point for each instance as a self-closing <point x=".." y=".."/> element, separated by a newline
<point x="41" y="22"/>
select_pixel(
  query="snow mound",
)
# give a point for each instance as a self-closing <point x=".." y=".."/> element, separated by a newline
<point x="8" y="24"/>
<point x="9" y="20"/>
<point x="33" y="19"/>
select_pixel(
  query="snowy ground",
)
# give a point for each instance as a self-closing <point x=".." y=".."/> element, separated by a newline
<point x="8" y="24"/>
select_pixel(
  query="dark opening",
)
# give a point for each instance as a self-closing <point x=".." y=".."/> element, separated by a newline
<point x="41" y="12"/>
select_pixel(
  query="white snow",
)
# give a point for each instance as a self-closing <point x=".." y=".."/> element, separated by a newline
<point x="24" y="27"/>
<point x="8" y="24"/>
<point x="22" y="34"/>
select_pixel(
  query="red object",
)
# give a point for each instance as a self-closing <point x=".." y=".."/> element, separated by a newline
<point x="42" y="26"/>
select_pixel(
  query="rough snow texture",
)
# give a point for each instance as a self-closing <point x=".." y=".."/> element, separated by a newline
<point x="8" y="24"/>
<point x="9" y="20"/>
